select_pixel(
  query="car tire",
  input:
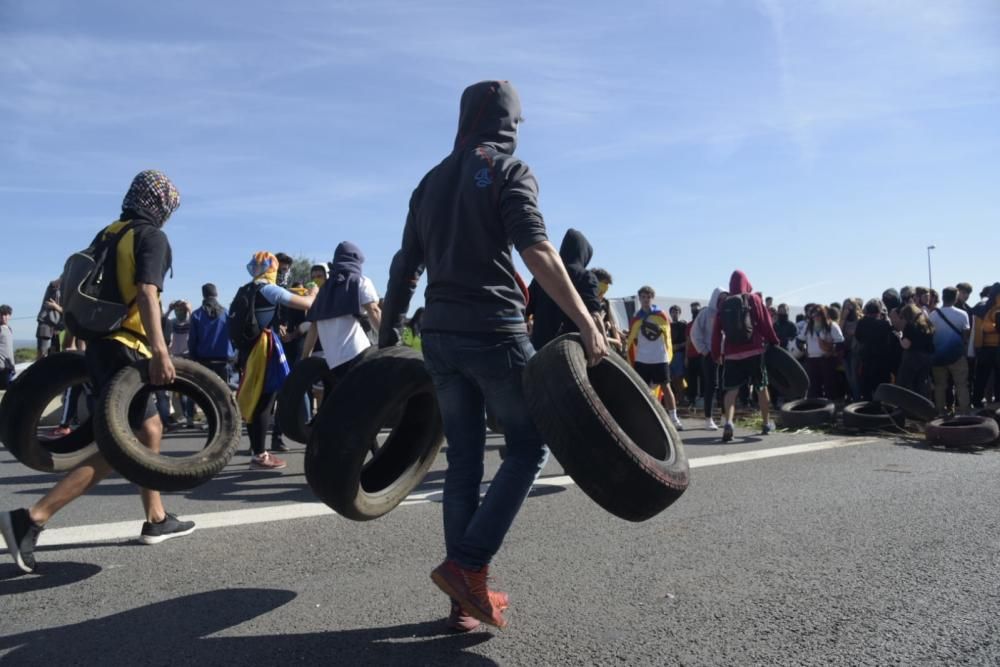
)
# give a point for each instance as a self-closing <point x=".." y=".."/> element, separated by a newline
<point x="603" y="426"/>
<point x="386" y="385"/>
<point x="134" y="461"/>
<point x="962" y="431"/>
<point x="805" y="412"/>
<point x="24" y="404"/>
<point x="295" y="391"/>
<point x="914" y="406"/>
<point x="785" y="373"/>
<point x="873" y="416"/>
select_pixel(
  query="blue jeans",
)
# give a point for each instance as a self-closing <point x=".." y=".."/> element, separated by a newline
<point x="471" y="372"/>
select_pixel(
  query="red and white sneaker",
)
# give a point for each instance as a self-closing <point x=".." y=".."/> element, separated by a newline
<point x="266" y="461"/>
<point x="459" y="621"/>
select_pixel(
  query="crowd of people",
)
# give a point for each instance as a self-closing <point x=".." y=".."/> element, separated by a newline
<point x="480" y="326"/>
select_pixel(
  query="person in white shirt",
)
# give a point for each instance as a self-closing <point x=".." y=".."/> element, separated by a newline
<point x="823" y="338"/>
<point x="335" y="314"/>
<point x="951" y="338"/>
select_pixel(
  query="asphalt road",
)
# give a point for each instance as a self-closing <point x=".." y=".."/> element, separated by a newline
<point x="853" y="554"/>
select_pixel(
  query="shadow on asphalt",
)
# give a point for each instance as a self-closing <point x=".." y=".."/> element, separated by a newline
<point x="46" y="576"/>
<point x="717" y="440"/>
<point x="178" y="632"/>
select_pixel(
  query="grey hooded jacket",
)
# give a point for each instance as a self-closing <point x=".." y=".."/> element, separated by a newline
<point x="464" y="216"/>
<point x="701" y="332"/>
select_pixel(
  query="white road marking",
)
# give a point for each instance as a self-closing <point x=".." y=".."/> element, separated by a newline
<point x="123" y="530"/>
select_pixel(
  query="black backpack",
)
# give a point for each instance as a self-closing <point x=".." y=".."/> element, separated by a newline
<point x="737" y="318"/>
<point x="87" y="311"/>
<point x="244" y="330"/>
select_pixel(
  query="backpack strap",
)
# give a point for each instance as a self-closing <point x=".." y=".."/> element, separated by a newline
<point x="948" y="322"/>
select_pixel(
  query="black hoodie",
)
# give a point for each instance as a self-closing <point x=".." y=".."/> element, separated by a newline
<point x="550" y="321"/>
<point x="463" y="218"/>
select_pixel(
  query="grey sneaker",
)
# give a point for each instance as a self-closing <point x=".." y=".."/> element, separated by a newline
<point x="727" y="432"/>
<point x="768" y="429"/>
<point x="20" y="533"/>
<point x="171" y="526"/>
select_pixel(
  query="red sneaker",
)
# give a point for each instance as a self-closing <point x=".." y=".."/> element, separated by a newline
<point x="459" y="621"/>
<point x="468" y="587"/>
<point x="61" y="431"/>
<point x="266" y="461"/>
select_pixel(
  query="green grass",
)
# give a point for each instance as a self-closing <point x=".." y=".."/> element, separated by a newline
<point x="23" y="354"/>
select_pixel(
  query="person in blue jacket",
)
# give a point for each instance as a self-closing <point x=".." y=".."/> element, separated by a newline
<point x="208" y="341"/>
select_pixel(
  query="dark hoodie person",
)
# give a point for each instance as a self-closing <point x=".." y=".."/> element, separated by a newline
<point x="744" y="361"/>
<point x="208" y="341"/>
<point x="986" y="341"/>
<point x="548" y="320"/>
<point x="336" y="314"/>
<point x="463" y="217"/>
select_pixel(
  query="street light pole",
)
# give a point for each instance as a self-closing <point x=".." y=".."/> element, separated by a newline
<point x="930" y="282"/>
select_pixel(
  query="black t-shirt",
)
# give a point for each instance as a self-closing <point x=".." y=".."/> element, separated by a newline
<point x="920" y="340"/>
<point x="678" y="333"/>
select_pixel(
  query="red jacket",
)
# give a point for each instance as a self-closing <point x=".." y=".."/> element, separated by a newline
<point x="763" y="328"/>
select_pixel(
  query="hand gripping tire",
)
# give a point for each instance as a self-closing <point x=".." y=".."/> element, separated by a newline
<point x="134" y="461"/>
<point x="806" y="412"/>
<point x="298" y="389"/>
<point x="962" y="431"/>
<point x="914" y="406"/>
<point x="605" y="429"/>
<point x="392" y="381"/>
<point x="24" y="404"/>
<point x="873" y="416"/>
<point x="786" y="373"/>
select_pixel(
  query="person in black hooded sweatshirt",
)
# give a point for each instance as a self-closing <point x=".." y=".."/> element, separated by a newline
<point x="548" y="320"/>
<point x="463" y="218"/>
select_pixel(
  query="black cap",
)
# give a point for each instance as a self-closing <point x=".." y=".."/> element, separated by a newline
<point x="209" y="291"/>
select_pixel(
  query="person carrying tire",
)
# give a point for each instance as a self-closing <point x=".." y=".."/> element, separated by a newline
<point x="549" y="320"/>
<point x="139" y="263"/>
<point x="336" y="313"/>
<point x="741" y="329"/>
<point x="463" y="217"/>
<point x="263" y="366"/>
<point x="649" y="349"/>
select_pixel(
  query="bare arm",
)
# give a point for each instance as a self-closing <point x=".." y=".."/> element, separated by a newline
<point x="546" y="266"/>
<point x="161" y="369"/>
<point x="310" y="342"/>
<point x="374" y="314"/>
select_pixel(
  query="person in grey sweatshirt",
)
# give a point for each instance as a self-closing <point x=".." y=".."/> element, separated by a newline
<point x="701" y="338"/>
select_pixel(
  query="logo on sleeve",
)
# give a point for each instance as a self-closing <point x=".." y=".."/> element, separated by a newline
<point x="483" y="178"/>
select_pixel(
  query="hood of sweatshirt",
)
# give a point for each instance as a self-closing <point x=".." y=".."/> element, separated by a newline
<point x="575" y="250"/>
<point x="713" y="301"/>
<point x="992" y="300"/>
<point x="739" y="283"/>
<point x="489" y="114"/>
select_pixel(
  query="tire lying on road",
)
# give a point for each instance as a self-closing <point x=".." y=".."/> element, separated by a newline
<point x="786" y="373"/>
<point x="873" y="416"/>
<point x="134" y="461"/>
<point x="26" y="401"/>
<point x="962" y="431"/>
<point x="914" y="406"/>
<point x="806" y="412"/>
<point x="605" y="429"/>
<point x="387" y="384"/>
<point x="296" y="390"/>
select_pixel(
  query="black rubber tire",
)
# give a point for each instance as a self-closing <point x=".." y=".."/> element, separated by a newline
<point x="605" y="429"/>
<point x="873" y="416"/>
<point x="805" y="412"/>
<point x="962" y="431"/>
<point x="26" y="400"/>
<point x="291" y="408"/>
<point x="362" y="403"/>
<point x="785" y="373"/>
<point x="138" y="464"/>
<point x="914" y="406"/>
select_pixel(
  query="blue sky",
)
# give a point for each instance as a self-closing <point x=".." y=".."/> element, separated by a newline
<point x="820" y="146"/>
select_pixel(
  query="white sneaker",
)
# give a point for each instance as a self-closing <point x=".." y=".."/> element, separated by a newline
<point x="678" y="424"/>
<point x="710" y="425"/>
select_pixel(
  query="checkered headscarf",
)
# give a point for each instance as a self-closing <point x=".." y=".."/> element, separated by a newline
<point x="152" y="192"/>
